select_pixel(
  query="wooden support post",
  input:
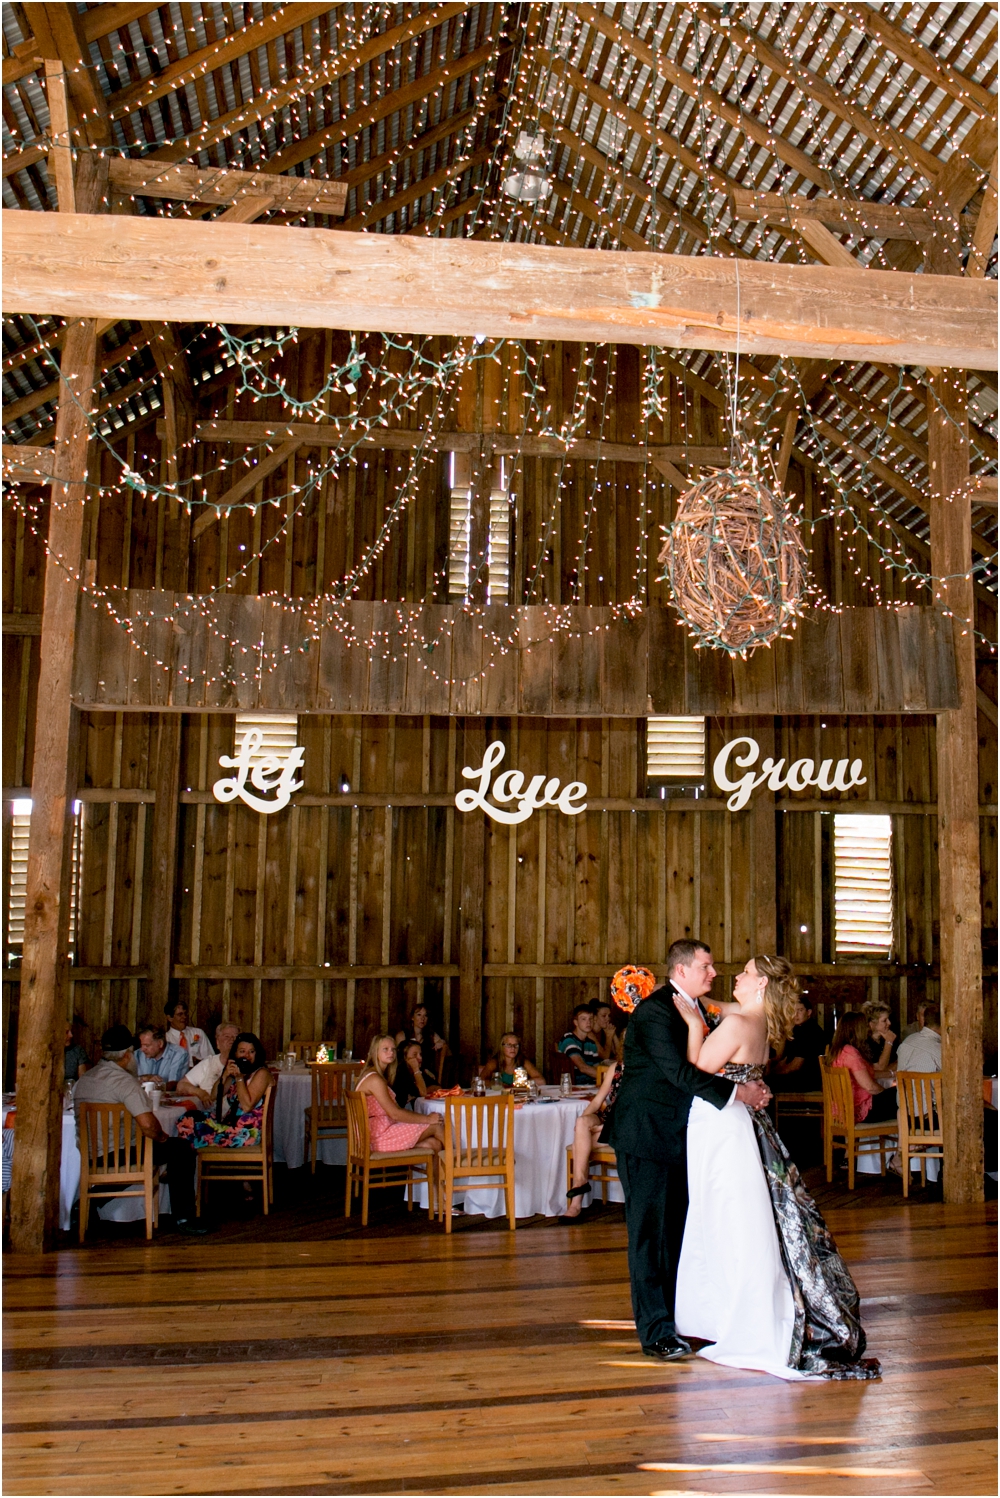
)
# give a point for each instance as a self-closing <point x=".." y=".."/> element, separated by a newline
<point x="43" y="1006"/>
<point x="472" y="887"/>
<point x="159" y="907"/>
<point x="961" y="954"/>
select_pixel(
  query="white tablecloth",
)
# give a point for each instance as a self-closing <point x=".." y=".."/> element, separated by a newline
<point x="542" y="1132"/>
<point x="293" y="1097"/>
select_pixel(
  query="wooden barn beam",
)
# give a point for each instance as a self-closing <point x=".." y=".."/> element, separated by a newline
<point x="873" y="220"/>
<point x="85" y="265"/>
<point x="376" y="212"/>
<point x="958" y="810"/>
<point x="709" y="99"/>
<point x="335" y="66"/>
<point x="99" y="21"/>
<point x="226" y="187"/>
<point x="61" y="36"/>
<point x="44" y="963"/>
<point x="244" y="486"/>
<point x="985" y="231"/>
<point x="805" y="81"/>
<point x="826" y="247"/>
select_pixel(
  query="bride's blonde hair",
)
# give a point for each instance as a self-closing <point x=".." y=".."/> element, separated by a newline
<point x="781" y="994"/>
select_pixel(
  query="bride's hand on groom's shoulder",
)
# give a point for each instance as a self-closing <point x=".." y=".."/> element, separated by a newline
<point x="686" y="1009"/>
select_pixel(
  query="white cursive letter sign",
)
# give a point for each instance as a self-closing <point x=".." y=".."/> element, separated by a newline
<point x="271" y="773"/>
<point x="510" y="787"/>
<point x="800" y="774"/>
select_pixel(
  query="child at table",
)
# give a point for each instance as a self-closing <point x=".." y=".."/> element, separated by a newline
<point x="391" y="1128"/>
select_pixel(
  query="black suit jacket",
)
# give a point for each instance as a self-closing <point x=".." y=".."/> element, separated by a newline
<point x="650" y="1114"/>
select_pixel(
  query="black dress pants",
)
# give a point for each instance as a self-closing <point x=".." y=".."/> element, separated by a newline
<point x="178" y="1156"/>
<point x="656" y="1200"/>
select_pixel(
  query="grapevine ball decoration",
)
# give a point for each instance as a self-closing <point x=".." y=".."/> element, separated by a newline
<point x="735" y="562"/>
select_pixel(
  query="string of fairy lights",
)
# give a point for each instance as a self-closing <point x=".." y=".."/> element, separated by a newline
<point x="427" y="385"/>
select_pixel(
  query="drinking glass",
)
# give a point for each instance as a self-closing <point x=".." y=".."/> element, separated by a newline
<point x="347" y="1056"/>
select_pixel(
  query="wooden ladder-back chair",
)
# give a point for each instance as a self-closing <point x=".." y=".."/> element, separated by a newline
<point x="245" y="1162"/>
<point x="920" y="1113"/>
<point x="369" y="1169"/>
<point x="603" y="1167"/>
<point x="478" y="1146"/>
<point x="115" y="1171"/>
<point x="326" y="1117"/>
<point x="838" y="1122"/>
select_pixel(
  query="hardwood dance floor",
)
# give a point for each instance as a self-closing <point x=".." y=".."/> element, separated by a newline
<point x="287" y="1360"/>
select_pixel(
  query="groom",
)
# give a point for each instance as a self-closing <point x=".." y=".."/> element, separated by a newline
<point x="647" y="1129"/>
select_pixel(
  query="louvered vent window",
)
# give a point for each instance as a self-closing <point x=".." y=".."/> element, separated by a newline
<point x="862" y="876"/>
<point x="20" y="823"/>
<point x="675" y="749"/>
<point x="498" y="541"/>
<point x="280" y="732"/>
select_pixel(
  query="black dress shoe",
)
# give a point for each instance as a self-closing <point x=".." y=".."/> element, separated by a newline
<point x="668" y="1350"/>
<point x="191" y="1226"/>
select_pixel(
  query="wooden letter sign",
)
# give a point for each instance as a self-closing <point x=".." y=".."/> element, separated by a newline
<point x="800" y="774"/>
<point x="270" y="773"/>
<point x="510" y="787"/>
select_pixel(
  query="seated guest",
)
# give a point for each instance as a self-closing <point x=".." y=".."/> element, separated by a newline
<point x="184" y="1034"/>
<point x="796" y="1064"/>
<point x="918" y="1023"/>
<point x="75" y="1059"/>
<point x="405" y="1076"/>
<point x="391" y="1128"/>
<point x="113" y="1080"/>
<point x="580" y="1046"/>
<point x="432" y="1048"/>
<point x="202" y="1080"/>
<point x="586" y="1134"/>
<point x="508" y="1055"/>
<point x="922" y="1050"/>
<point x="881" y="1037"/>
<point x="872" y="1103"/>
<point x="158" y="1060"/>
<point x="609" y="1039"/>
<point x="239" y="1100"/>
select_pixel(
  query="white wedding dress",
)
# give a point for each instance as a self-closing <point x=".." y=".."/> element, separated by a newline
<point x="732" y="1288"/>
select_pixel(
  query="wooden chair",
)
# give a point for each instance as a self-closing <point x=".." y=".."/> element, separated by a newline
<point x="326" y="1118"/>
<point x="368" y="1168"/>
<point x="920" y="1136"/>
<point x="478" y="1146"/>
<point x="247" y="1162"/>
<point x="304" y="1050"/>
<point x="115" y="1171"/>
<point x="838" y="1122"/>
<point x="603" y="1167"/>
<point x="603" y="1067"/>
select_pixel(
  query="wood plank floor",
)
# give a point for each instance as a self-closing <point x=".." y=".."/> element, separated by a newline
<point x="305" y="1356"/>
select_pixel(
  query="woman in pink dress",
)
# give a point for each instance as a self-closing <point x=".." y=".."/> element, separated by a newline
<point x="391" y="1127"/>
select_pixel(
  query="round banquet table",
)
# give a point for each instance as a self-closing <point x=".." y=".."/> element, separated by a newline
<point x="542" y="1132"/>
<point x="292" y="1098"/>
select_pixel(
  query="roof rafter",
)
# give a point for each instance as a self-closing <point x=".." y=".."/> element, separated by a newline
<point x="275" y="100"/>
<point x="708" y="97"/>
<point x="909" y="49"/>
<point x="816" y="88"/>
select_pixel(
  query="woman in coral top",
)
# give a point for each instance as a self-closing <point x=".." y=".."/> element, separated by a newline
<point x="391" y="1127"/>
<point x="872" y="1102"/>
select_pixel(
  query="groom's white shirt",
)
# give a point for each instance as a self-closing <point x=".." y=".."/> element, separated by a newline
<point x="697" y="1004"/>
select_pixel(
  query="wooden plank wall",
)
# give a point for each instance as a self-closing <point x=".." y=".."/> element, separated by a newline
<point x="336" y="916"/>
<point x="372" y="888"/>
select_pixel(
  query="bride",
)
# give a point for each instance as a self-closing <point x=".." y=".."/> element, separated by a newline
<point x="760" y="1277"/>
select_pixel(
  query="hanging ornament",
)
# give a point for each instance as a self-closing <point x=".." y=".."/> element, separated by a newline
<point x="735" y="562"/>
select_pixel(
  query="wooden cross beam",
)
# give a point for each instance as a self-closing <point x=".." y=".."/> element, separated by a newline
<point x="85" y="265"/>
<point x="223" y="188"/>
<point x="874" y="220"/>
